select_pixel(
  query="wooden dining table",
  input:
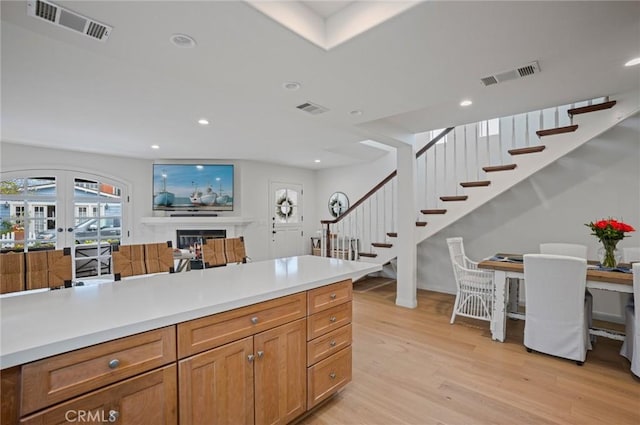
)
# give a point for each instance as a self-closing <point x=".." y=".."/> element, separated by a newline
<point x="506" y="302"/>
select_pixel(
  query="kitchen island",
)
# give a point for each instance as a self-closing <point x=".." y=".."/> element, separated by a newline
<point x="246" y="339"/>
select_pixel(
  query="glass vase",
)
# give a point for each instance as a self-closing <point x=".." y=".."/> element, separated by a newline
<point x="608" y="254"/>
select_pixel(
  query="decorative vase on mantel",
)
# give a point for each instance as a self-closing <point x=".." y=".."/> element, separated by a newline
<point x="608" y="254"/>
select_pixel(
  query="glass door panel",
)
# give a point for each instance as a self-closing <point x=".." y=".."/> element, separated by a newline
<point x="28" y="213"/>
<point x="97" y="219"/>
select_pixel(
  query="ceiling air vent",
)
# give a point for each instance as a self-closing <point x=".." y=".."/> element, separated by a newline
<point x="312" y="108"/>
<point x="512" y="74"/>
<point x="65" y="18"/>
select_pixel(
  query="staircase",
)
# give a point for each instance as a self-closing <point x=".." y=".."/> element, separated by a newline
<point x="461" y="168"/>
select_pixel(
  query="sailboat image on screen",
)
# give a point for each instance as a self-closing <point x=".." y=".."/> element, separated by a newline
<point x="222" y="199"/>
<point x="192" y="187"/>
<point x="164" y="198"/>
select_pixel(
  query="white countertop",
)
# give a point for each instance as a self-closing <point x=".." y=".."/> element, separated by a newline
<point x="38" y="325"/>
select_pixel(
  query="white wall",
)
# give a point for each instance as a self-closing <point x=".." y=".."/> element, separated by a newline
<point x="600" y="179"/>
<point x="251" y="189"/>
<point x="354" y="181"/>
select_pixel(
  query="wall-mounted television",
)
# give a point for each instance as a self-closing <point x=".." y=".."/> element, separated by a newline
<point x="193" y="187"/>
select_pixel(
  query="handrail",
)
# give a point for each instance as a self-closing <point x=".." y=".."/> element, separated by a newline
<point x="370" y="193"/>
<point x="361" y="200"/>
<point x="434" y="141"/>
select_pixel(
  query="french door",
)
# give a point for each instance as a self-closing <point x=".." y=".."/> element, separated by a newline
<point x="53" y="209"/>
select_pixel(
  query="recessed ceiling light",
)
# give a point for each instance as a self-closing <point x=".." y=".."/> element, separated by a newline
<point x="203" y="121"/>
<point x="291" y="85"/>
<point x="182" y="40"/>
<point x="155" y="147"/>
<point x="632" y="62"/>
<point x="316" y="160"/>
<point x="466" y="102"/>
<point x="356" y="112"/>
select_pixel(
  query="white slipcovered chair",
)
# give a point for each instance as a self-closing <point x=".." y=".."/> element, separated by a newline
<point x="571" y="250"/>
<point x="475" y="288"/>
<point x="556" y="315"/>
<point x="568" y="249"/>
<point x="631" y="345"/>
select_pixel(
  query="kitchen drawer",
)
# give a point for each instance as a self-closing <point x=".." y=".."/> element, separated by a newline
<point x="61" y="377"/>
<point x="324" y="346"/>
<point x="150" y="398"/>
<point x="328" y="296"/>
<point x="328" y="320"/>
<point x="196" y="336"/>
<point x="328" y="376"/>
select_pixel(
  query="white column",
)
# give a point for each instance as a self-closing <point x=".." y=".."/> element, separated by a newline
<point x="406" y="249"/>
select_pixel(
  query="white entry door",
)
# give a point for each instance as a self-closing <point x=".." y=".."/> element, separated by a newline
<point x="287" y="237"/>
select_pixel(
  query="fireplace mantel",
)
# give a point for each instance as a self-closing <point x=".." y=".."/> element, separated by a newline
<point x="205" y="221"/>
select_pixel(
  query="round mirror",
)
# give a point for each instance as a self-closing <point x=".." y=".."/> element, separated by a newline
<point x="338" y="204"/>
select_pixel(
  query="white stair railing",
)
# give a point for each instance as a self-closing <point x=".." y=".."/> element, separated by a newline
<point x="449" y="157"/>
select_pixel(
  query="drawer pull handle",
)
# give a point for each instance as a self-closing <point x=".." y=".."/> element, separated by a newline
<point x="250" y="358"/>
<point x="332" y="319"/>
<point x="260" y="354"/>
<point x="332" y="296"/>
<point x="333" y="343"/>
<point x="332" y="375"/>
<point x="114" y="363"/>
<point x="113" y="415"/>
<point x="254" y="320"/>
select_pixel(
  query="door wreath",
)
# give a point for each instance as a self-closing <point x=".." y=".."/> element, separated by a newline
<point x="284" y="207"/>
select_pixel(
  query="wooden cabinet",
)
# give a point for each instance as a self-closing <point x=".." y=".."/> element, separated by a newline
<point x="147" y="399"/>
<point x="260" y="379"/>
<point x="54" y="379"/>
<point x="280" y="374"/>
<point x="262" y="364"/>
<point x="216" y="387"/>
<point x="329" y="341"/>
<point x="328" y="376"/>
<point x="213" y="331"/>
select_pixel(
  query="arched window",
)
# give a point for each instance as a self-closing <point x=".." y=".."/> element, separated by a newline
<point x="54" y="209"/>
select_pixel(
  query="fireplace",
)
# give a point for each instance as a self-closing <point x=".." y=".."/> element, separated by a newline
<point x="192" y="240"/>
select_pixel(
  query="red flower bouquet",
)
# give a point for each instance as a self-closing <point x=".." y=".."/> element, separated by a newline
<point x="609" y="233"/>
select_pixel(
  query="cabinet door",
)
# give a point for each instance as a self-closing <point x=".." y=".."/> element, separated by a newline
<point x="216" y="387"/>
<point x="148" y="399"/>
<point x="280" y="373"/>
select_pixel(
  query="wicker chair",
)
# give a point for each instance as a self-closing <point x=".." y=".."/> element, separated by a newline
<point x="128" y="260"/>
<point x="213" y="254"/>
<point x="475" y="288"/>
<point x="12" y="272"/>
<point x="235" y="251"/>
<point x="158" y="257"/>
<point x="48" y="269"/>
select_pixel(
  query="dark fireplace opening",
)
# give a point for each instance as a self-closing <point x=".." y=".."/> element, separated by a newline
<point x="192" y="240"/>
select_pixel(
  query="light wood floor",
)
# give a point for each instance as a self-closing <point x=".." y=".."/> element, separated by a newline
<point x="411" y="367"/>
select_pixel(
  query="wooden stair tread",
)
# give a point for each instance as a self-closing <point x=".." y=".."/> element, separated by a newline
<point x="381" y="244"/>
<point x="492" y="168"/>
<point x="434" y="211"/>
<point x="454" y="198"/>
<point x="531" y="149"/>
<point x="476" y="184"/>
<point x="368" y="254"/>
<point x="421" y="223"/>
<point x="392" y="234"/>
<point x="591" y="108"/>
<point x="558" y="130"/>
